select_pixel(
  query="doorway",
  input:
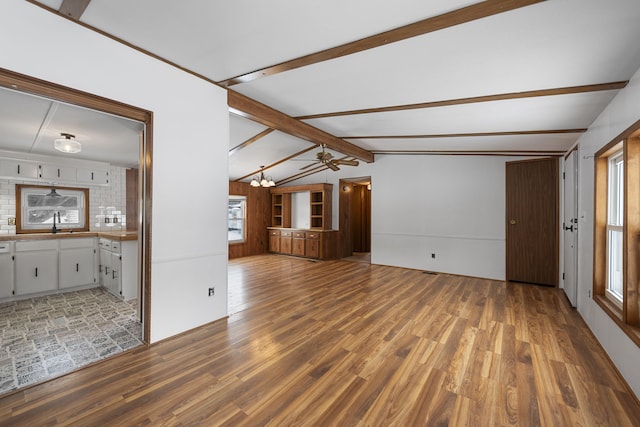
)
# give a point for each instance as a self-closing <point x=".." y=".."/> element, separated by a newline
<point x="532" y="246"/>
<point x="354" y="237"/>
<point x="70" y="99"/>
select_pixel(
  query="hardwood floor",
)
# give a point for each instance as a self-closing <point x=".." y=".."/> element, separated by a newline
<point x="348" y="344"/>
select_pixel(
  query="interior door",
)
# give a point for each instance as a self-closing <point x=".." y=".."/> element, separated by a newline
<point x="532" y="221"/>
<point x="570" y="227"/>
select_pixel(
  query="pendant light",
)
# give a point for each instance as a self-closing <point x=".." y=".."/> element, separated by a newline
<point x="261" y="180"/>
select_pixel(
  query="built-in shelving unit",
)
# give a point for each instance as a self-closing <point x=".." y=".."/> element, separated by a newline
<point x="281" y="210"/>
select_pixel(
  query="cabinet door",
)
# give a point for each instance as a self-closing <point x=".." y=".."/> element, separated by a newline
<point x="274" y="241"/>
<point x="57" y="173"/>
<point x="36" y="271"/>
<point x="116" y="275"/>
<point x="298" y="247"/>
<point x="104" y="268"/>
<point x="18" y="168"/>
<point x="6" y="277"/>
<point x="93" y="176"/>
<point x="285" y="244"/>
<point x="76" y="267"/>
<point x="312" y="247"/>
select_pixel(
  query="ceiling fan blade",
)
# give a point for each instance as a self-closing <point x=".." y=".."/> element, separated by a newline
<point x="332" y="166"/>
<point x="347" y="162"/>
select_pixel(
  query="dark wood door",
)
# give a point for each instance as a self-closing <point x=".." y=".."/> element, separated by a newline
<point x="532" y="221"/>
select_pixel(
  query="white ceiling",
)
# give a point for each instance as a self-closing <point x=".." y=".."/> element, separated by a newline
<point x="549" y="45"/>
<point x="30" y="124"/>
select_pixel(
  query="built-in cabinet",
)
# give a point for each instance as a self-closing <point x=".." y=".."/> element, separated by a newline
<point x="319" y="241"/>
<point x="45" y="266"/>
<point x="33" y="167"/>
<point x="77" y="262"/>
<point x="319" y="244"/>
<point x="36" y="267"/>
<point x="118" y="267"/>
<point x="6" y="267"/>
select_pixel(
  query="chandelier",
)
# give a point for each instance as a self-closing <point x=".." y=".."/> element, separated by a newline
<point x="261" y="180"/>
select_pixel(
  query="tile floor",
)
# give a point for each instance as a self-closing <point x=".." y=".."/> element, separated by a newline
<point x="47" y="336"/>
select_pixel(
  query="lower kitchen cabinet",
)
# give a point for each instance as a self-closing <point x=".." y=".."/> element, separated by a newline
<point x="285" y="242"/>
<point x="118" y="267"/>
<point x="36" y="267"/>
<point x="6" y="267"/>
<point x="77" y="262"/>
<point x="297" y="247"/>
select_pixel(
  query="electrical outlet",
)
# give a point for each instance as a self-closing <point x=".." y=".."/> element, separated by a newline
<point x="212" y="291"/>
<point x="12" y="220"/>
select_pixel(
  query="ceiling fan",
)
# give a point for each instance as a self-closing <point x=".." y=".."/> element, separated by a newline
<point x="327" y="159"/>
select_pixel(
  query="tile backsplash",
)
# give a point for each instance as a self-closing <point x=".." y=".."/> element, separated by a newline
<point x="103" y="202"/>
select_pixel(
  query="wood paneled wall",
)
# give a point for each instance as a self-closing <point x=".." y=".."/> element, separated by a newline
<point x="132" y="199"/>
<point x="258" y="219"/>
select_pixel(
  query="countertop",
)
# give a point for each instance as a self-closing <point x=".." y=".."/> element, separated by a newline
<point x="120" y="235"/>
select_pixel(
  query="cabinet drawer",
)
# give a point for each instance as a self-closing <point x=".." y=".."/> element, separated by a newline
<point x="115" y="246"/>
<point x="274" y="232"/>
<point x="39" y="245"/>
<point x="315" y="236"/>
<point x="299" y="234"/>
<point x="5" y="247"/>
<point x="285" y="233"/>
<point x="104" y="244"/>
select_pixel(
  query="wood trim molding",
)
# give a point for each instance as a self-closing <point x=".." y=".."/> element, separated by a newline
<point x="466" y="135"/>
<point x="425" y="26"/>
<point x="250" y="141"/>
<point x="23" y="83"/>
<point x="246" y="107"/>
<point x="472" y="152"/>
<point x="487" y="98"/>
<point x="73" y="8"/>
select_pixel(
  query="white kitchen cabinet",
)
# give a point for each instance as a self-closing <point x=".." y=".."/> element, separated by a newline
<point x="6" y="270"/>
<point x="56" y="173"/>
<point x="37" y="269"/>
<point x="18" y="168"/>
<point x="92" y="176"/>
<point x="77" y="262"/>
<point x="119" y="267"/>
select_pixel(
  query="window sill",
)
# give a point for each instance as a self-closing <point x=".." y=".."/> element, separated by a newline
<point x="615" y="313"/>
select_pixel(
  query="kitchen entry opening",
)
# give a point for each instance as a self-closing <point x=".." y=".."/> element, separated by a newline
<point x="37" y="212"/>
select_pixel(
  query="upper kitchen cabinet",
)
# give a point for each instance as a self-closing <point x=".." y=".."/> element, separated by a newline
<point x="93" y="176"/>
<point x="53" y="172"/>
<point x="15" y="168"/>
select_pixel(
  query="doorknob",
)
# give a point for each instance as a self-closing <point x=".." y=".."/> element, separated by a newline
<point x="570" y="228"/>
<point x="512" y="222"/>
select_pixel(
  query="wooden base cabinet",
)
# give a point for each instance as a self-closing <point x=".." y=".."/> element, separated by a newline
<point x="318" y="244"/>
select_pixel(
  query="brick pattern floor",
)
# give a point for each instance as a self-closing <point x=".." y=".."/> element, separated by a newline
<point x="48" y="336"/>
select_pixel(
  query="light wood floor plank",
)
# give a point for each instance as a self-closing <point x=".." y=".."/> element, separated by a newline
<point x="350" y="344"/>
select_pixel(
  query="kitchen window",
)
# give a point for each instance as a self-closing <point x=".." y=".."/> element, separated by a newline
<point x="236" y="219"/>
<point x="39" y="208"/>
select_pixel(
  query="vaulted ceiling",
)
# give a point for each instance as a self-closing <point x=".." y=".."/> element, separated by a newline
<point x="366" y="77"/>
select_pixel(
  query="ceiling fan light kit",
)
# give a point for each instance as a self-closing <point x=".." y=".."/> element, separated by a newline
<point x="67" y="144"/>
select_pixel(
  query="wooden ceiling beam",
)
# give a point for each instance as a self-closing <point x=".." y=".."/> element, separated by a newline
<point x="467" y="135"/>
<point x="246" y="107"/>
<point x="487" y="98"/>
<point x="73" y="8"/>
<point x="250" y="141"/>
<point x="435" y="23"/>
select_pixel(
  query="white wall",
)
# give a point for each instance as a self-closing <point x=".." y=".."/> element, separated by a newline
<point x="452" y="206"/>
<point x="622" y="112"/>
<point x="190" y="136"/>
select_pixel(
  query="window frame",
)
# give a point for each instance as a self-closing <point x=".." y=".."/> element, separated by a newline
<point x="625" y="312"/>
<point x="242" y="219"/>
<point x="21" y="208"/>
